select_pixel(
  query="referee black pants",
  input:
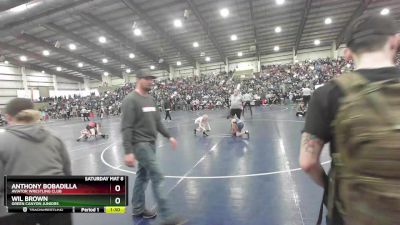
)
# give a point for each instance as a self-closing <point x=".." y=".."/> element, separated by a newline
<point x="249" y="105"/>
<point x="306" y="99"/>
<point x="167" y="115"/>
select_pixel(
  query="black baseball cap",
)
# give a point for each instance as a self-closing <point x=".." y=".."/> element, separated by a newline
<point x="17" y="105"/>
<point x="369" y="26"/>
<point x="143" y="74"/>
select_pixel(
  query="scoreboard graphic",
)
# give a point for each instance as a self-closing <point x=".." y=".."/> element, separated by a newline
<point x="66" y="194"/>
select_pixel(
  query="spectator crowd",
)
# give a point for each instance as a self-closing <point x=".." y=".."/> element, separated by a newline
<point x="104" y="105"/>
<point x="275" y="84"/>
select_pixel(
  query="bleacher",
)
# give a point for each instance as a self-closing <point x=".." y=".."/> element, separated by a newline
<point x="243" y="74"/>
<point x="103" y="89"/>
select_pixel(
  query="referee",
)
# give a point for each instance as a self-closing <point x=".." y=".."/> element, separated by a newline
<point x="247" y="98"/>
<point x="140" y="124"/>
<point x="306" y="95"/>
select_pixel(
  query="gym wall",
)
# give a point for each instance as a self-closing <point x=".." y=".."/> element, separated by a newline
<point x="11" y="83"/>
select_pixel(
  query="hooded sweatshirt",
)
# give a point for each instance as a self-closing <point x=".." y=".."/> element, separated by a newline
<point x="31" y="150"/>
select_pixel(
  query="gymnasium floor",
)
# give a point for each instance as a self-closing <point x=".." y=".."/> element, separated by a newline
<point x="215" y="180"/>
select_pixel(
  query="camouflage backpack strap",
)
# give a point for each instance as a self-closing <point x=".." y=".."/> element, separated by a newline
<point x="356" y="89"/>
<point x="378" y="102"/>
<point x="356" y="86"/>
<point x="350" y="84"/>
<point x="335" y="209"/>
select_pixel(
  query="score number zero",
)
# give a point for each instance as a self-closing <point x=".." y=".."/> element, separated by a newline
<point x="117" y="200"/>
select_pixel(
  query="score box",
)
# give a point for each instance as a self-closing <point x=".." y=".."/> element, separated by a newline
<point x="106" y="209"/>
<point x="65" y="191"/>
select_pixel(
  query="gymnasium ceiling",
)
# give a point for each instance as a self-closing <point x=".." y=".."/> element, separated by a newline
<point x="30" y="27"/>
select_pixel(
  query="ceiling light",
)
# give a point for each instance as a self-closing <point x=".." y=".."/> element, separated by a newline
<point x="137" y="32"/>
<point x="19" y="8"/>
<point x="278" y="29"/>
<point x="46" y="52"/>
<point x="208" y="59"/>
<point x="152" y="67"/>
<point x="57" y="44"/>
<point x="224" y="12"/>
<point x="102" y="39"/>
<point x="178" y="63"/>
<point x="43" y="71"/>
<point x="280" y="2"/>
<point x="240" y="54"/>
<point x="106" y="74"/>
<point x="385" y="11"/>
<point x="328" y="21"/>
<point x="6" y="62"/>
<point x="186" y="14"/>
<point x="234" y="37"/>
<point x="128" y="70"/>
<point x="317" y="42"/>
<point x="276" y="48"/>
<point x="23" y="7"/>
<point x="23" y="58"/>
<point x="195" y="44"/>
<point x="177" y="23"/>
<point x="80" y="65"/>
<point x="72" y="46"/>
<point x="58" y="68"/>
<point x="131" y="55"/>
<point x="105" y="60"/>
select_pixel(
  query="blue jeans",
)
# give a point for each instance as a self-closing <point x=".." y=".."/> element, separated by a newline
<point x="148" y="169"/>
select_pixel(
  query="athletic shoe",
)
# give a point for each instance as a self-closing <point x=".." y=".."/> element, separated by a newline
<point x="174" y="221"/>
<point x="78" y="140"/>
<point x="146" y="214"/>
<point x="205" y="134"/>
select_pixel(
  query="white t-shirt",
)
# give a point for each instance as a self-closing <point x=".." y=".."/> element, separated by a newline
<point x="247" y="97"/>
<point x="236" y="101"/>
<point x="198" y="120"/>
<point x="306" y="92"/>
<point x="202" y="123"/>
